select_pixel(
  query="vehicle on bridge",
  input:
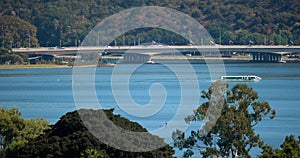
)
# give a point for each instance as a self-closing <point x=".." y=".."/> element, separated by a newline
<point x="247" y="78"/>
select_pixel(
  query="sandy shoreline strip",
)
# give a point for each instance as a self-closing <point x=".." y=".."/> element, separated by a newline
<point x="44" y="66"/>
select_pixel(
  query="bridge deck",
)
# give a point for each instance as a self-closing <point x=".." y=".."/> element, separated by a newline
<point x="159" y="49"/>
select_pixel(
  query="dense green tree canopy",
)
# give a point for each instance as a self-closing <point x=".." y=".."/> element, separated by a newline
<point x="9" y="57"/>
<point x="92" y="153"/>
<point x="233" y="133"/>
<point x="15" y="132"/>
<point x="68" y="22"/>
<point x="70" y="138"/>
<point x="15" y="32"/>
<point x="289" y="148"/>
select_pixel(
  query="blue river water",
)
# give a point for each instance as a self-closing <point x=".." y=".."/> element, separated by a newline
<point x="48" y="93"/>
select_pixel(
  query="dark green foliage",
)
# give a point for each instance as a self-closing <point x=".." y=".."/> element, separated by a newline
<point x="4" y="51"/>
<point x="70" y="138"/>
<point x="9" y="57"/>
<point x="147" y="35"/>
<point x="16" y="132"/>
<point x="92" y="153"/>
<point x="289" y="148"/>
<point x="233" y="132"/>
<point x="15" y="33"/>
<point x="61" y="21"/>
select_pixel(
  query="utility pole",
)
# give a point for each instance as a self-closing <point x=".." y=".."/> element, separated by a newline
<point x="220" y="36"/>
<point x="28" y="39"/>
<point x="280" y="40"/>
<point x="98" y="39"/>
<point x="265" y="40"/>
<point x="190" y="37"/>
<point x="60" y="36"/>
<point x="139" y="41"/>
<point x="124" y="40"/>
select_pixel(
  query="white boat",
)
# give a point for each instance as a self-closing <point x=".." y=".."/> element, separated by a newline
<point x="282" y="61"/>
<point x="247" y="78"/>
<point x="150" y="62"/>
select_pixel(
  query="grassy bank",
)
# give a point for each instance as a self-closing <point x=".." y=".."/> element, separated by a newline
<point x="46" y="66"/>
<point x="32" y="66"/>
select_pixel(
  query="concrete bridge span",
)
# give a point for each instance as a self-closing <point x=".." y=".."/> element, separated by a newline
<point x="260" y="53"/>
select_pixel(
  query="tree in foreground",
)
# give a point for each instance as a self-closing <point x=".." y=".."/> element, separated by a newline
<point x="289" y="148"/>
<point x="233" y="133"/>
<point x="69" y="137"/>
<point x="16" y="132"/>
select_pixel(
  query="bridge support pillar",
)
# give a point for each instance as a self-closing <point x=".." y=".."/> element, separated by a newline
<point x="271" y="58"/>
<point x="278" y="58"/>
<point x="254" y="56"/>
<point x="266" y="57"/>
<point x="259" y="57"/>
<point x="135" y="58"/>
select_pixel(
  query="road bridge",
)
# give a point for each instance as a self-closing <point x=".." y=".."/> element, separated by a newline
<point x="260" y="53"/>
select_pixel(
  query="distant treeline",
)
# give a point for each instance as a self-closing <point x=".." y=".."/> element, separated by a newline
<point x="66" y="23"/>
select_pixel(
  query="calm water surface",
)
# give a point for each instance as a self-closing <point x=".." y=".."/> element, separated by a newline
<point x="48" y="93"/>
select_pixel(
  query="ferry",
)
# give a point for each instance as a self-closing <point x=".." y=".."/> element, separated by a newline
<point x="247" y="78"/>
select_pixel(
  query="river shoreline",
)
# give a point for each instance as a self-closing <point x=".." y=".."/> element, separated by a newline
<point x="193" y="59"/>
<point x="48" y="66"/>
<point x="36" y="66"/>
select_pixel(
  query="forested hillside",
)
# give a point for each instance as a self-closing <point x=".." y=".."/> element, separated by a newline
<point x="65" y="23"/>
